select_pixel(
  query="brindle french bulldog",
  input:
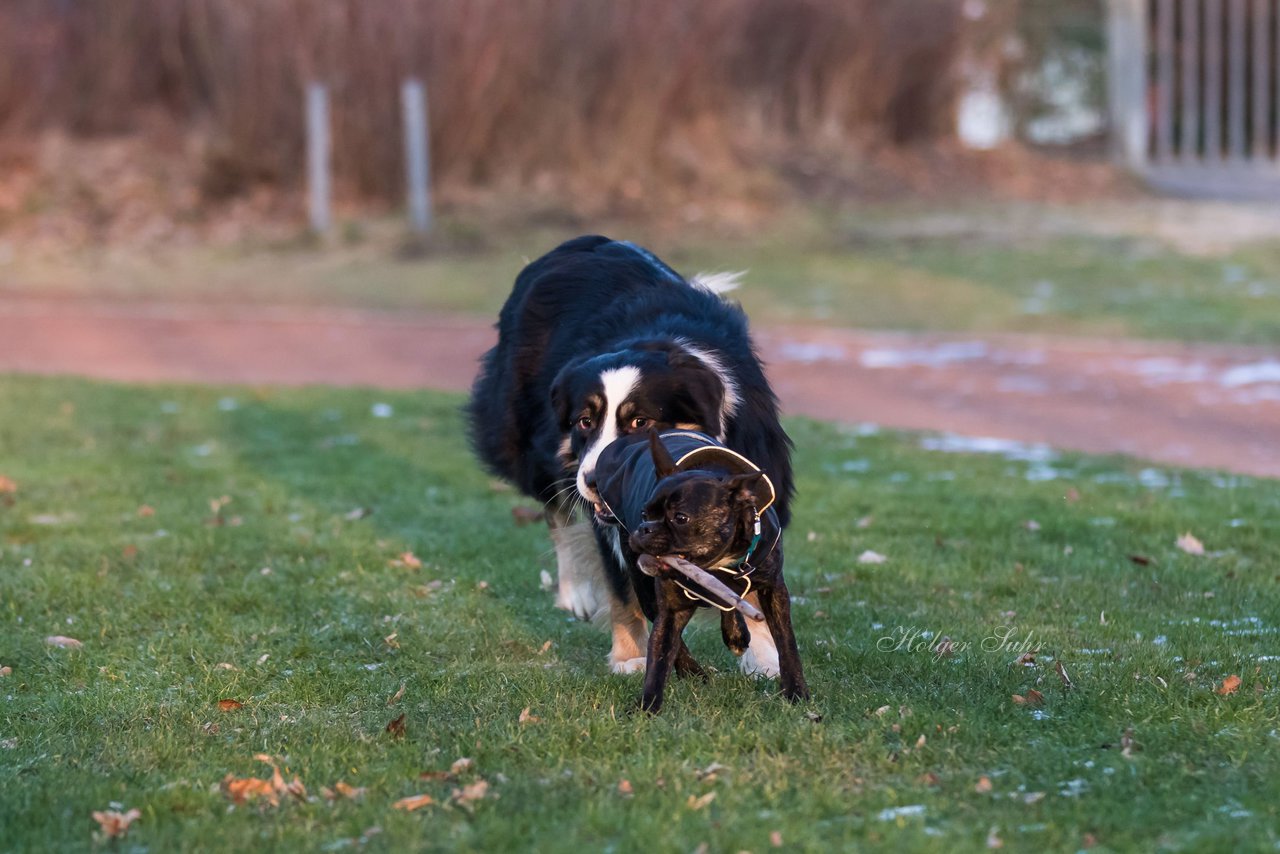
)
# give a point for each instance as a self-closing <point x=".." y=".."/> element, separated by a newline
<point x="713" y="511"/>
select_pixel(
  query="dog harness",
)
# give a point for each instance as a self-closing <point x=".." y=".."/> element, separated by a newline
<point x="626" y="479"/>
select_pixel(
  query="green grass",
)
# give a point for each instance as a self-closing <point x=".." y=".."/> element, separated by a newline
<point x="299" y="599"/>
<point x="988" y="271"/>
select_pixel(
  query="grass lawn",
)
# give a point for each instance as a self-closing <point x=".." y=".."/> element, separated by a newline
<point x="285" y="600"/>
<point x="884" y="268"/>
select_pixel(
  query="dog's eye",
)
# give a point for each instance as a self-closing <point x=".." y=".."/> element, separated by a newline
<point x="680" y="519"/>
<point x="585" y="423"/>
<point x="640" y="422"/>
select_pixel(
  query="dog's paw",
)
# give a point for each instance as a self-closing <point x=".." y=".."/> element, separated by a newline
<point x="630" y="665"/>
<point x="583" y="599"/>
<point x="760" y="660"/>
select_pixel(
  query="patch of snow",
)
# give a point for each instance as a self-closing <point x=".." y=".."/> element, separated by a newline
<point x="1153" y="479"/>
<point x="1022" y="384"/>
<point x="808" y="354"/>
<point x="938" y="356"/>
<point x="1010" y="449"/>
<point x="1073" y="788"/>
<point x="901" y="812"/>
<point x="1267" y="371"/>
<point x="1162" y="370"/>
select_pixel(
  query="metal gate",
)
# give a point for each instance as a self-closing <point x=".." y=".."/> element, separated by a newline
<point x="1195" y="94"/>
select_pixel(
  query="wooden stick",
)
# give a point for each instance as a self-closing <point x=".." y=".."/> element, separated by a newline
<point x="651" y="565"/>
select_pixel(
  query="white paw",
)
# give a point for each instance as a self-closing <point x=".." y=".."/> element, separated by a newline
<point x="760" y="660"/>
<point x="630" y="665"/>
<point x="583" y="599"/>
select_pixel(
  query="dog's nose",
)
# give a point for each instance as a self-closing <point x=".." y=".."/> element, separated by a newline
<point x="645" y="529"/>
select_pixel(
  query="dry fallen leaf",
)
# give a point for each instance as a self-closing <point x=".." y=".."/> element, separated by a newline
<point x="294" y="788"/>
<point x="624" y="788"/>
<point x="1062" y="674"/>
<point x="243" y="789"/>
<point x="710" y="773"/>
<point x="222" y="665"/>
<point x="461" y="766"/>
<point x="342" y="790"/>
<point x="525" y="515"/>
<point x="230" y="705"/>
<point x="6" y="670"/>
<point x="7" y="486"/>
<point x="1141" y="560"/>
<point x="146" y="511"/>
<point x="406" y="560"/>
<point x="396" y="727"/>
<point x="983" y="785"/>
<point x="469" y="794"/>
<point x="775" y="839"/>
<point x="880" y="711"/>
<point x="116" y="824"/>
<point x="63" y="642"/>
<point x="1027" y="659"/>
<point x="697" y="803"/>
<point x="395" y="698"/>
<point x="1032" y="798"/>
<point x="413" y="802"/>
<point x="1190" y="544"/>
<point x="1035" y="698"/>
<point x="1229" y="685"/>
<point x="526" y="718"/>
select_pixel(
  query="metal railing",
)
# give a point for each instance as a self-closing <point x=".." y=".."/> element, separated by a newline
<point x="1195" y="94"/>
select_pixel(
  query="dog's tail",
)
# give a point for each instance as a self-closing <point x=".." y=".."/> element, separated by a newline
<point x="718" y="283"/>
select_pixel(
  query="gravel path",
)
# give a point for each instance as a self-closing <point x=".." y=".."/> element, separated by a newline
<point x="1189" y="405"/>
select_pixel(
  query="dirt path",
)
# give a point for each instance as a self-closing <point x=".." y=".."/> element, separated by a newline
<point x="1192" y="405"/>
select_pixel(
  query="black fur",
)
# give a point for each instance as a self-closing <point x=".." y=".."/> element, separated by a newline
<point x="591" y="304"/>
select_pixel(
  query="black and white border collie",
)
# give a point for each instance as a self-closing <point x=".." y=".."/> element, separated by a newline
<point x="600" y="339"/>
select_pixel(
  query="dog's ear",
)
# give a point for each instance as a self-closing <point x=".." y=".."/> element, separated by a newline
<point x="745" y="487"/>
<point x="662" y="462"/>
<point x="701" y="390"/>
<point x="562" y="396"/>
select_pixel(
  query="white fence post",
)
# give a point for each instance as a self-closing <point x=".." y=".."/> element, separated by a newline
<point x="1127" y="80"/>
<point x="413" y="100"/>
<point x="318" y="156"/>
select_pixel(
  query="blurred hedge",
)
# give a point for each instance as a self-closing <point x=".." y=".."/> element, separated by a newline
<point x="522" y="92"/>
